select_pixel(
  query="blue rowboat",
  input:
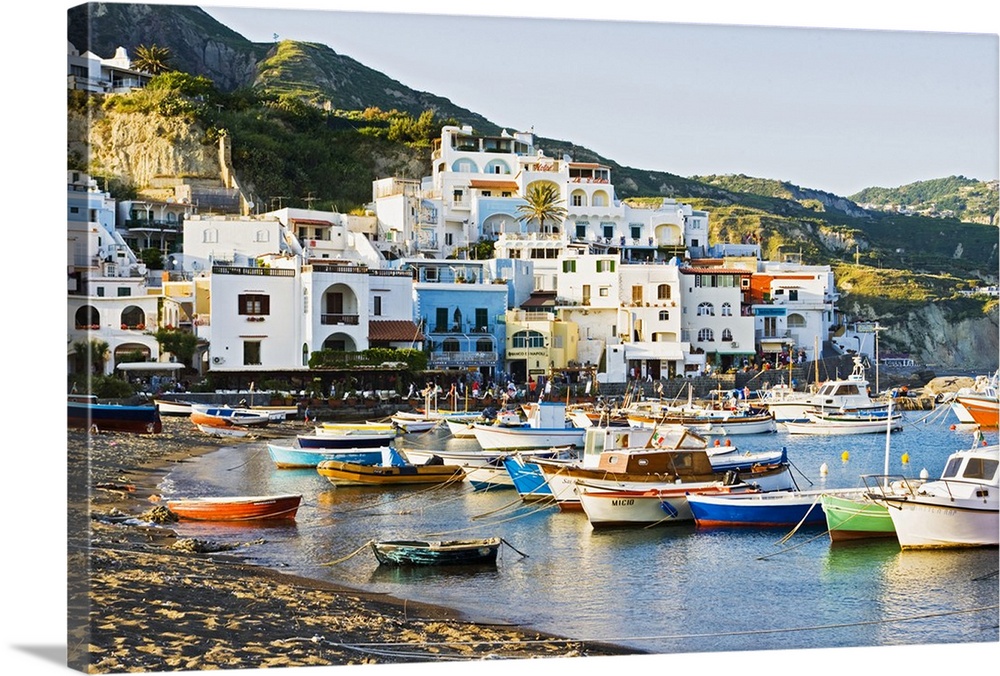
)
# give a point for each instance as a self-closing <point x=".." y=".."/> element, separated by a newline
<point x="288" y="457"/>
<point x="527" y="476"/>
<point x="436" y="553"/>
<point x="771" y="509"/>
<point x="338" y="441"/>
<point x="89" y="415"/>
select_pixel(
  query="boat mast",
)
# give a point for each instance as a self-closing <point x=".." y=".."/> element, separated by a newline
<point x="888" y="433"/>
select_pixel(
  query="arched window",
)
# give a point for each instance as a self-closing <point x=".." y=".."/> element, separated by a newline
<point x="87" y="317"/>
<point x="664" y="315"/>
<point x="527" y="339"/>
<point x="663" y="293"/>
<point x="727" y="336"/>
<point x="133" y="317"/>
<point x="727" y="310"/>
<point x="796" y="321"/>
<point x="484" y="345"/>
<point x="449" y="345"/>
<point x="464" y="166"/>
<point x="706" y="310"/>
<point x="496" y="167"/>
<point x="706" y="335"/>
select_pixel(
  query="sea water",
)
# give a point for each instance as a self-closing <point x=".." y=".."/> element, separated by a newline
<point x="667" y="589"/>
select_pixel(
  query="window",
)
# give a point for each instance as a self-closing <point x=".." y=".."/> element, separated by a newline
<point x="484" y="345"/>
<point x="254" y="304"/>
<point x="124" y="291"/>
<point x="448" y="239"/>
<point x="210" y="236"/>
<point x="74" y="210"/>
<point x="523" y="339"/>
<point x="706" y="335"/>
<point x="636" y="294"/>
<point x="727" y="310"/>
<point x="505" y="193"/>
<point x="586" y="294"/>
<point x="603" y="291"/>
<point x="663" y="292"/>
<point x="100" y="291"/>
<point x="636" y="231"/>
<point x="706" y="310"/>
<point x="456" y="196"/>
<point x="727" y="336"/>
<point x="569" y="266"/>
<point x="265" y="236"/>
<point x="377" y="306"/>
<point x="450" y="345"/>
<point x="793" y="294"/>
<point x="605" y="266"/>
<point x="664" y="315"/>
<point x="581" y="230"/>
<point x="608" y="229"/>
<point x="482" y="319"/>
<point x="441" y="319"/>
<point x="251" y="352"/>
<point x="577" y="200"/>
<point x="796" y="321"/>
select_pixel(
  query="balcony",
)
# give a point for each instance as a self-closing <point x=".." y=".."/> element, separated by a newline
<point x="463" y="358"/>
<point x="328" y="319"/>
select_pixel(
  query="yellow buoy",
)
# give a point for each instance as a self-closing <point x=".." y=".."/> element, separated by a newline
<point x="905" y="458"/>
<point x="845" y="456"/>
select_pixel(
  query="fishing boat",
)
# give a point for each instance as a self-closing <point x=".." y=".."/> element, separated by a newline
<point x="527" y="477"/>
<point x="769" y="509"/>
<point x="663" y="504"/>
<point x="83" y="412"/>
<point x="958" y="510"/>
<point x="347" y="439"/>
<point x="366" y="427"/>
<point x="224" y="416"/>
<point x="290" y="457"/>
<point x="844" y="394"/>
<point x="240" y="508"/>
<point x="436" y="552"/>
<point x="982" y="407"/>
<point x="709" y="422"/>
<point x="394" y="471"/>
<point x="846" y="423"/>
<point x="546" y="428"/>
<point x="173" y="406"/>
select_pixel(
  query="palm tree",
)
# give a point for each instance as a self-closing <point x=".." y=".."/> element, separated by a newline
<point x="93" y="353"/>
<point x="543" y="204"/>
<point x="152" y="59"/>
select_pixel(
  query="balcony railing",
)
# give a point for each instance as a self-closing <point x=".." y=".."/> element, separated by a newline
<point x="252" y="272"/>
<point x="338" y="319"/>
<point x="463" y="358"/>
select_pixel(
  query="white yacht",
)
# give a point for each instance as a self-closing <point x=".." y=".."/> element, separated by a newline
<point x="833" y="396"/>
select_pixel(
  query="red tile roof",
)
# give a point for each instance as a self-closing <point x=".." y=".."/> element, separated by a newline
<point x="393" y="329"/>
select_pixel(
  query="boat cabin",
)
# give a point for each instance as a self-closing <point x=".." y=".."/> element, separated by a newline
<point x="673" y="462"/>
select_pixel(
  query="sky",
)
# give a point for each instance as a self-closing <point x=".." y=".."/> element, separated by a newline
<point x="826" y="108"/>
<point x="822" y="109"/>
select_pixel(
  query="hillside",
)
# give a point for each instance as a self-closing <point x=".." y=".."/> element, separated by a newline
<point x="958" y="197"/>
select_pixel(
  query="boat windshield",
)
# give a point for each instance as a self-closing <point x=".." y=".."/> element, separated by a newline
<point x="980" y="468"/>
<point x="951" y="469"/>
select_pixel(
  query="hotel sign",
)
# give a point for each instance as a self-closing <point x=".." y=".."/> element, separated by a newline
<point x="769" y="311"/>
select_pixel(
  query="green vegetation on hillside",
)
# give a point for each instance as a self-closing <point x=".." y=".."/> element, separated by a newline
<point x="965" y="198"/>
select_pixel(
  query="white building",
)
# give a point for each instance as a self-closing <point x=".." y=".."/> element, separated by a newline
<point x="715" y="306"/>
<point x="91" y="73"/>
<point x="794" y="308"/>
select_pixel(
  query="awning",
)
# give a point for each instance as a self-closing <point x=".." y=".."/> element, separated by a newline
<point x="654" y="351"/>
<point x="540" y="299"/>
<point x="150" y="366"/>
<point x="393" y="330"/>
<point x="493" y="185"/>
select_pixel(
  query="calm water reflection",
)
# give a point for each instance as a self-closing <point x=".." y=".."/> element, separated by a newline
<point x="667" y="589"/>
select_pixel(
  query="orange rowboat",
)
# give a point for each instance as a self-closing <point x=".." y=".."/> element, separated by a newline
<point x="240" y="508"/>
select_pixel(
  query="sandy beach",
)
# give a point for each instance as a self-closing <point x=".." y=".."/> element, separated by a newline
<point x="155" y="602"/>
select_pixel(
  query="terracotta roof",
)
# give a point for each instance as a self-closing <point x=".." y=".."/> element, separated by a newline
<point x="494" y="185"/>
<point x="393" y="329"/>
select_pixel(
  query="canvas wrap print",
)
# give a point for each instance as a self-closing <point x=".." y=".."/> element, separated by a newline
<point x="358" y="375"/>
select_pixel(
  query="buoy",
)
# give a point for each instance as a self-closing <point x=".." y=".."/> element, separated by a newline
<point x="905" y="458"/>
<point x="952" y="427"/>
<point x="845" y="456"/>
<point x="823" y="469"/>
<point x="924" y="474"/>
<point x="729" y="442"/>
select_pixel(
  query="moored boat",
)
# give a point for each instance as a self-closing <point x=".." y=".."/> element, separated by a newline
<point x="436" y="552"/>
<point x="844" y="394"/>
<point x="173" y="406"/>
<point x="958" y="510"/>
<point x="983" y="408"/>
<point x="290" y="457"/>
<point x="223" y="416"/>
<point x="358" y="439"/>
<point x="223" y="431"/>
<point x="239" y="508"/>
<point x="663" y="504"/>
<point x="847" y="423"/>
<point x="768" y="509"/>
<point x="394" y="471"/>
<point x="83" y="412"/>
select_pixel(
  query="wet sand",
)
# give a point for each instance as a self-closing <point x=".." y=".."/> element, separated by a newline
<point x="142" y="599"/>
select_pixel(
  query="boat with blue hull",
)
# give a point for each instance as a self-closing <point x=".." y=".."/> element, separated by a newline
<point x="335" y="441"/>
<point x="85" y="413"/>
<point x="769" y="509"/>
<point x="290" y="457"/>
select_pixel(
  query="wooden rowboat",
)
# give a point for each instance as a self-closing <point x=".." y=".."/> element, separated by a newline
<point x="436" y="553"/>
<point x="240" y="508"/>
<point x="353" y="474"/>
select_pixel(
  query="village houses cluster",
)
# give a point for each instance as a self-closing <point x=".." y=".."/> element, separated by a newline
<point x="615" y="290"/>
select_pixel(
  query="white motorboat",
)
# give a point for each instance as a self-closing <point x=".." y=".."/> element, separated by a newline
<point x="855" y="422"/>
<point x="958" y="510"/>
<point x="848" y="394"/>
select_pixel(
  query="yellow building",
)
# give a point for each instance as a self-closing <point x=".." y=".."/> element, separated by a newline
<point x="539" y="344"/>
